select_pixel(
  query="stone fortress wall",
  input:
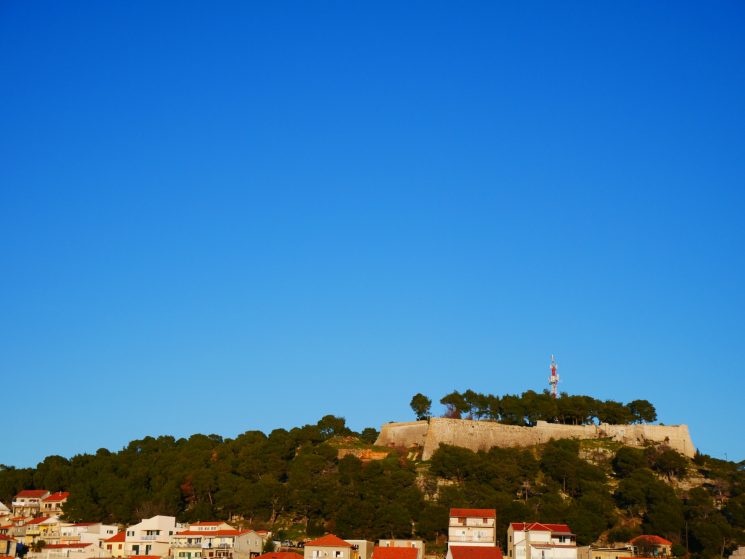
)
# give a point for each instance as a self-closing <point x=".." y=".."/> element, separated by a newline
<point x="483" y="435"/>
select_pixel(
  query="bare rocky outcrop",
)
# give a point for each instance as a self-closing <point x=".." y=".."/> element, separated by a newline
<point x="483" y="435"/>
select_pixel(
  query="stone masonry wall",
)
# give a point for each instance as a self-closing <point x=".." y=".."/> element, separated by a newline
<point x="483" y="435"/>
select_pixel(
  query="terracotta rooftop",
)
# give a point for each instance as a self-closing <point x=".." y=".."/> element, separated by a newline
<point x="394" y="552"/>
<point x="37" y="520"/>
<point x="650" y="540"/>
<point x="120" y="537"/>
<point x="475" y="552"/>
<point x="480" y="513"/>
<point x="329" y="540"/>
<point x="33" y="493"/>
<point x="56" y="497"/>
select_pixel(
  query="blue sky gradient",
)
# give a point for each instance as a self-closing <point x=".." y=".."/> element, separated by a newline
<point x="244" y="215"/>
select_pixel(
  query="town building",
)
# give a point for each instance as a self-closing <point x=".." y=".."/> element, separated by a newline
<point x="472" y="527"/>
<point x="114" y="545"/>
<point x="328" y="547"/>
<point x="361" y="549"/>
<point x="213" y="541"/>
<point x="86" y="532"/>
<point x="42" y="528"/>
<point x="7" y="546"/>
<point x="27" y="503"/>
<point x="152" y="536"/>
<point x="67" y="551"/>
<point x="51" y="505"/>
<point x="652" y="546"/>
<point x="415" y="544"/>
<point x="540" y="541"/>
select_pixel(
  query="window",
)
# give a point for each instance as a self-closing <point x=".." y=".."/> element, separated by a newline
<point x="338" y="553"/>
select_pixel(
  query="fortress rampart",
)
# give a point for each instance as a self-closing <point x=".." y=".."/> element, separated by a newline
<point x="483" y="435"/>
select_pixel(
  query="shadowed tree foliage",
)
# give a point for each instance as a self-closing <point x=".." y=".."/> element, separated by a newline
<point x="421" y="405"/>
<point x="530" y="407"/>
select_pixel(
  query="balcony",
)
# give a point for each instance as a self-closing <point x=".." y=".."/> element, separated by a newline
<point x="471" y="539"/>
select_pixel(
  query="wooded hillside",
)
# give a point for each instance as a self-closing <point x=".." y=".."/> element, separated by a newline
<point x="294" y="481"/>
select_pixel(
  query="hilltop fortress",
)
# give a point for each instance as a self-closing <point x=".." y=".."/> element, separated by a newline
<point x="483" y="435"/>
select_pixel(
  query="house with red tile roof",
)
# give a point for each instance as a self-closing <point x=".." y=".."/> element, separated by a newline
<point x="652" y="546"/>
<point x="411" y="544"/>
<point x="535" y="540"/>
<point x="51" y="505"/>
<point x="44" y="528"/>
<point x="472" y="527"/>
<point x="114" y="545"/>
<point x="328" y="547"/>
<point x="7" y="546"/>
<point x="27" y="503"/>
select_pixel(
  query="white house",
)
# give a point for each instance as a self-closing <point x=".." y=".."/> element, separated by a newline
<point x="476" y="527"/>
<point x="328" y="547"/>
<point x="86" y="532"/>
<point x="216" y="542"/>
<point x="67" y="551"/>
<point x="540" y="541"/>
<point x="152" y="536"/>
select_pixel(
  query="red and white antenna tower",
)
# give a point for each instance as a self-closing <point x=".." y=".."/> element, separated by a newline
<point x="554" y="378"/>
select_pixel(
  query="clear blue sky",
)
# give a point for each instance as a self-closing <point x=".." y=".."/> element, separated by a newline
<point x="217" y="217"/>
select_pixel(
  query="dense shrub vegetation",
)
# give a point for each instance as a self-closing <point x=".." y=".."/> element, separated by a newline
<point x="530" y="407"/>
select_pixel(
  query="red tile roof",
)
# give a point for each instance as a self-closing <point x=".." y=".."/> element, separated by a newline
<point x="329" y="540"/>
<point x="394" y="552"/>
<point x="56" y="497"/>
<point x="480" y="513"/>
<point x="37" y="520"/>
<point x="33" y="493"/>
<point x="475" y="552"/>
<point x="650" y="540"/>
<point x="279" y="555"/>
<point x="6" y="538"/>
<point x="66" y="545"/>
<point x="539" y="527"/>
<point x="120" y="537"/>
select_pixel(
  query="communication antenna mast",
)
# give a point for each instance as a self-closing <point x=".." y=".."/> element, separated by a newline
<point x="553" y="380"/>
